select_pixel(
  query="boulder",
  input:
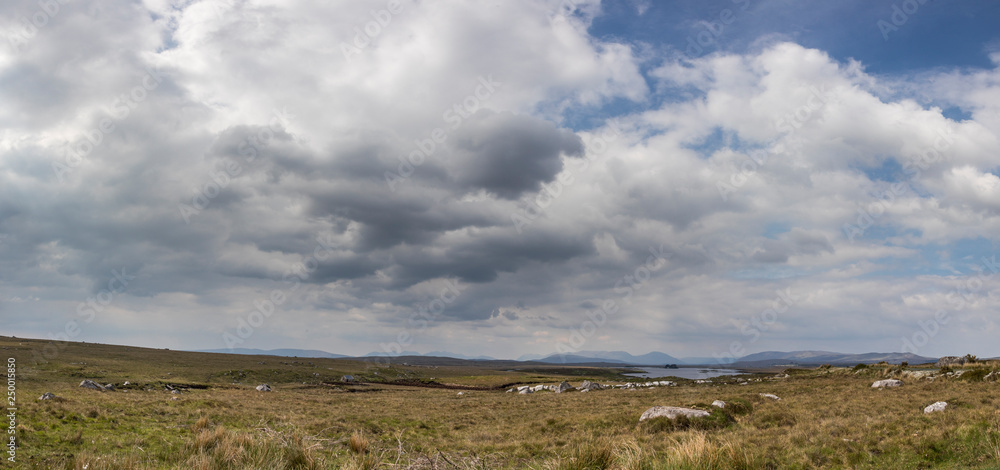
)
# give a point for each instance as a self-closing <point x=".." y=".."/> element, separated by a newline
<point x="523" y="388"/>
<point x="538" y="388"/>
<point x="461" y="393"/>
<point x="937" y="406"/>
<point x="887" y="383"/>
<point x="950" y="361"/>
<point x="263" y="388"/>
<point x="525" y="391"/>
<point x="47" y="396"/>
<point x="110" y="387"/>
<point x="87" y="383"/>
<point x="564" y="387"/>
<point x="770" y="395"/>
<point x="719" y="403"/>
<point x="672" y="412"/>
<point x="587" y="386"/>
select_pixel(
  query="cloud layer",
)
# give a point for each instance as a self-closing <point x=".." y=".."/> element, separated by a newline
<point x="417" y="176"/>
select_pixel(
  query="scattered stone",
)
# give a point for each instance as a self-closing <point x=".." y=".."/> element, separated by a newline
<point x="563" y="387"/>
<point x="126" y="384"/>
<point x="719" y="403"/>
<point x="672" y="412"/>
<point x="511" y="390"/>
<point x="461" y="393"/>
<point x="887" y="383"/>
<point x="770" y="395"/>
<point x="525" y="391"/>
<point x="110" y="387"/>
<point x="47" y="396"/>
<point x="87" y="383"/>
<point x="175" y="392"/>
<point x="937" y="406"/>
<point x="348" y="378"/>
<point x="263" y="388"/>
<point x="538" y="388"/>
<point x="995" y="375"/>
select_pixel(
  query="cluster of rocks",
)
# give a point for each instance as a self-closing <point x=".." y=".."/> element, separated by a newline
<point x="87" y="383"/>
<point x="586" y="386"/>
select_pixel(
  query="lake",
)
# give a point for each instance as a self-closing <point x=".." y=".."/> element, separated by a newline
<point x="693" y="373"/>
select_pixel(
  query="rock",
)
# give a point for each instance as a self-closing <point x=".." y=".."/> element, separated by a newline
<point x="995" y="375"/>
<point x="587" y="386"/>
<point x="175" y="392"/>
<point x="887" y="383"/>
<point x="87" y="383"/>
<point x="348" y="378"/>
<point x="538" y="388"/>
<point x="263" y="388"/>
<point x="525" y="391"/>
<point x="126" y="384"/>
<point x="938" y="406"/>
<point x="511" y="390"/>
<point x="672" y="412"/>
<point x="461" y="393"/>
<point x="110" y="387"/>
<point x="719" y="403"/>
<point x="950" y="361"/>
<point x="563" y="387"/>
<point x="47" y="396"/>
<point x="523" y="388"/>
<point x="770" y="395"/>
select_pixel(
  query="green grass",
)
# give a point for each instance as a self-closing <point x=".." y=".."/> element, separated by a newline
<point x="827" y="418"/>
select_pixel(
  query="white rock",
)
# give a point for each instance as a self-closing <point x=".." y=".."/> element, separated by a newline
<point x="770" y="395"/>
<point x="563" y="387"/>
<point x="461" y="393"/>
<point x="887" y="383"/>
<point x="719" y="403"/>
<point x="263" y="388"/>
<point x="938" y="406"/>
<point x="47" y="396"/>
<point x="672" y="412"/>
<point x="525" y="391"/>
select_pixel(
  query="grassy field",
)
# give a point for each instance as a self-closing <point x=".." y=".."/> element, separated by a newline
<point x="827" y="418"/>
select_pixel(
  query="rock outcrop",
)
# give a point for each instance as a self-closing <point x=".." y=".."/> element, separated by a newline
<point x="949" y="361"/>
<point x="672" y="412"/>
<point x="719" y="403"/>
<point x="563" y="387"/>
<point x="263" y="388"/>
<point x="87" y="383"/>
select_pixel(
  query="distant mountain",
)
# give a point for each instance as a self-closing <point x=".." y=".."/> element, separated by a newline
<point x="275" y="352"/>
<point x="649" y="359"/>
<point x="771" y="358"/>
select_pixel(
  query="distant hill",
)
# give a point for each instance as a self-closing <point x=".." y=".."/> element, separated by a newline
<point x="431" y="354"/>
<point x="275" y="352"/>
<point x="613" y="357"/>
<point x="806" y="358"/>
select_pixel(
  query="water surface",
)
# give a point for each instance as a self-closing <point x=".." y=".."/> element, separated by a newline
<point x="693" y="373"/>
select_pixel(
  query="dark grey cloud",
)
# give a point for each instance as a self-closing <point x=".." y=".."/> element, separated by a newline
<point x="507" y="154"/>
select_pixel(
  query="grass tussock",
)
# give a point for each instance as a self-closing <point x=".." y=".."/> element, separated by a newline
<point x="221" y="448"/>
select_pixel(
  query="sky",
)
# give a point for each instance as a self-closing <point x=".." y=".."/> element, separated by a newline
<point x="701" y="178"/>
